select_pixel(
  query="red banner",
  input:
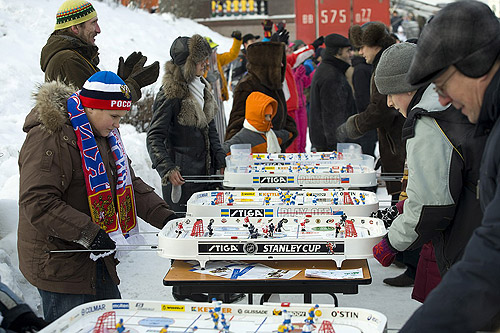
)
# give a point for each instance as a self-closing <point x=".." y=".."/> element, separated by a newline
<point x="335" y="16"/>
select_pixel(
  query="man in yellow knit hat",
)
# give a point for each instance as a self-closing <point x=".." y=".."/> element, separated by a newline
<point x="71" y="55"/>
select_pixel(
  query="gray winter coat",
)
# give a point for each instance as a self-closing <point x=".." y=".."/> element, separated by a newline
<point x="442" y="178"/>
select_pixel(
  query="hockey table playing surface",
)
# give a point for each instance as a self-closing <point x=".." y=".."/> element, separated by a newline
<point x="151" y="316"/>
<point x="318" y="238"/>
<point x="282" y="203"/>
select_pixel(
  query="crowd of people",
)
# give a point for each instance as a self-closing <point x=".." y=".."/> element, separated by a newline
<point x="431" y="103"/>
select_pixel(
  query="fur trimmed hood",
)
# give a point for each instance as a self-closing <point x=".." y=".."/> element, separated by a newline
<point x="50" y="110"/>
<point x="370" y="34"/>
<point x="267" y="61"/>
<point x="175" y="86"/>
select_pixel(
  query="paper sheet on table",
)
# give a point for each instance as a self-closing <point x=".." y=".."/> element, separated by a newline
<point x="243" y="271"/>
<point x="335" y="274"/>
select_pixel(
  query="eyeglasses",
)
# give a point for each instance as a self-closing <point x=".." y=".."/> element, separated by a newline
<point x="440" y="90"/>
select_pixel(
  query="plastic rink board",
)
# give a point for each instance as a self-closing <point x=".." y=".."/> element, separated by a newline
<point x="282" y="203"/>
<point x="334" y="238"/>
<point x="151" y="316"/>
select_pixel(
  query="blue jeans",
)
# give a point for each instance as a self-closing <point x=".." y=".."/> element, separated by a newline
<point x="57" y="304"/>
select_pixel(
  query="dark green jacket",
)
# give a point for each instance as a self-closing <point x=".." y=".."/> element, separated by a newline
<point x="68" y="58"/>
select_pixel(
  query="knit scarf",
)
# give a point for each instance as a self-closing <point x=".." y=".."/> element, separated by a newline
<point x="100" y="197"/>
<point x="273" y="145"/>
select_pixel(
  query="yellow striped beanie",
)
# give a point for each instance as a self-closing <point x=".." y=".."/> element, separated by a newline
<point x="74" y="12"/>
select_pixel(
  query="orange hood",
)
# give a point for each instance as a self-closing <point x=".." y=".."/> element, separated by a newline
<point x="257" y="106"/>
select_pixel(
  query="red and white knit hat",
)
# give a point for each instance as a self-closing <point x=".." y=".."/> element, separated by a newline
<point x="106" y="91"/>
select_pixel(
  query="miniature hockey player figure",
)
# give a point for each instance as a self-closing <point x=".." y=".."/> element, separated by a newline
<point x="356" y="200"/>
<point x="343" y="219"/>
<point x="210" y="227"/>
<point x="303" y="225"/>
<point x="267" y="200"/>
<point x="307" y="328"/>
<point x="265" y="231"/>
<point x="271" y="230"/>
<point x="164" y="329"/>
<point x="230" y="199"/>
<point x="119" y="326"/>
<point x="337" y="230"/>
<point x="363" y="198"/>
<point x="288" y="321"/>
<point x="194" y="329"/>
<point x="315" y="200"/>
<point x="349" y="168"/>
<point x="215" y="318"/>
<point x="180" y="228"/>
<point x="279" y="227"/>
<point x="282" y="328"/>
<point x="312" y="313"/>
<point x="217" y="305"/>
<point x="246" y="221"/>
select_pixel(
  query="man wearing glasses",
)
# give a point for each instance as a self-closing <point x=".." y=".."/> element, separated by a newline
<point x="459" y="51"/>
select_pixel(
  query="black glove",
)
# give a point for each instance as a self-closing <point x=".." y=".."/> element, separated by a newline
<point x="236" y="34"/>
<point x="348" y="130"/>
<point x="170" y="218"/>
<point x="125" y="67"/>
<point x="281" y="36"/>
<point x="27" y="322"/>
<point x="102" y="242"/>
<point x="268" y="27"/>
<point x="145" y="75"/>
<point x="387" y="215"/>
<point x="318" y="42"/>
<point x="280" y="26"/>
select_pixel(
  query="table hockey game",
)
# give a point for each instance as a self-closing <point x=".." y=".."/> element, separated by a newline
<point x="136" y="316"/>
<point x="311" y="170"/>
<point x="282" y="203"/>
<point x="255" y="238"/>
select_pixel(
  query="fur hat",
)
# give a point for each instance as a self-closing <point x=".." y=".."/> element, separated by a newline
<point x="267" y="61"/>
<point x="187" y="52"/>
<point x="390" y="75"/>
<point x="370" y="34"/>
<point x="465" y="34"/>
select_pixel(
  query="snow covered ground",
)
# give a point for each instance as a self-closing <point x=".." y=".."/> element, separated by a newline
<point x="24" y="28"/>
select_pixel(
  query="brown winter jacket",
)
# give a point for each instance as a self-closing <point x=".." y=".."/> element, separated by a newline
<point x="389" y="124"/>
<point x="266" y="72"/>
<point x="53" y="205"/>
<point x="68" y="58"/>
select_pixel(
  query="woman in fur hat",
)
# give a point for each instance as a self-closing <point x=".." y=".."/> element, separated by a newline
<point x="182" y="138"/>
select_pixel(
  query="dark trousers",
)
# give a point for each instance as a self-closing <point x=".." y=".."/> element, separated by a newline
<point x="410" y="259"/>
<point x="57" y="304"/>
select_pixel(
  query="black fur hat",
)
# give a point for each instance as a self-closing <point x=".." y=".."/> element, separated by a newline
<point x="187" y="52"/>
<point x="370" y="34"/>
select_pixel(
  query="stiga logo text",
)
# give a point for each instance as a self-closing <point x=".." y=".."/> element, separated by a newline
<point x="246" y="212"/>
<point x="273" y="180"/>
